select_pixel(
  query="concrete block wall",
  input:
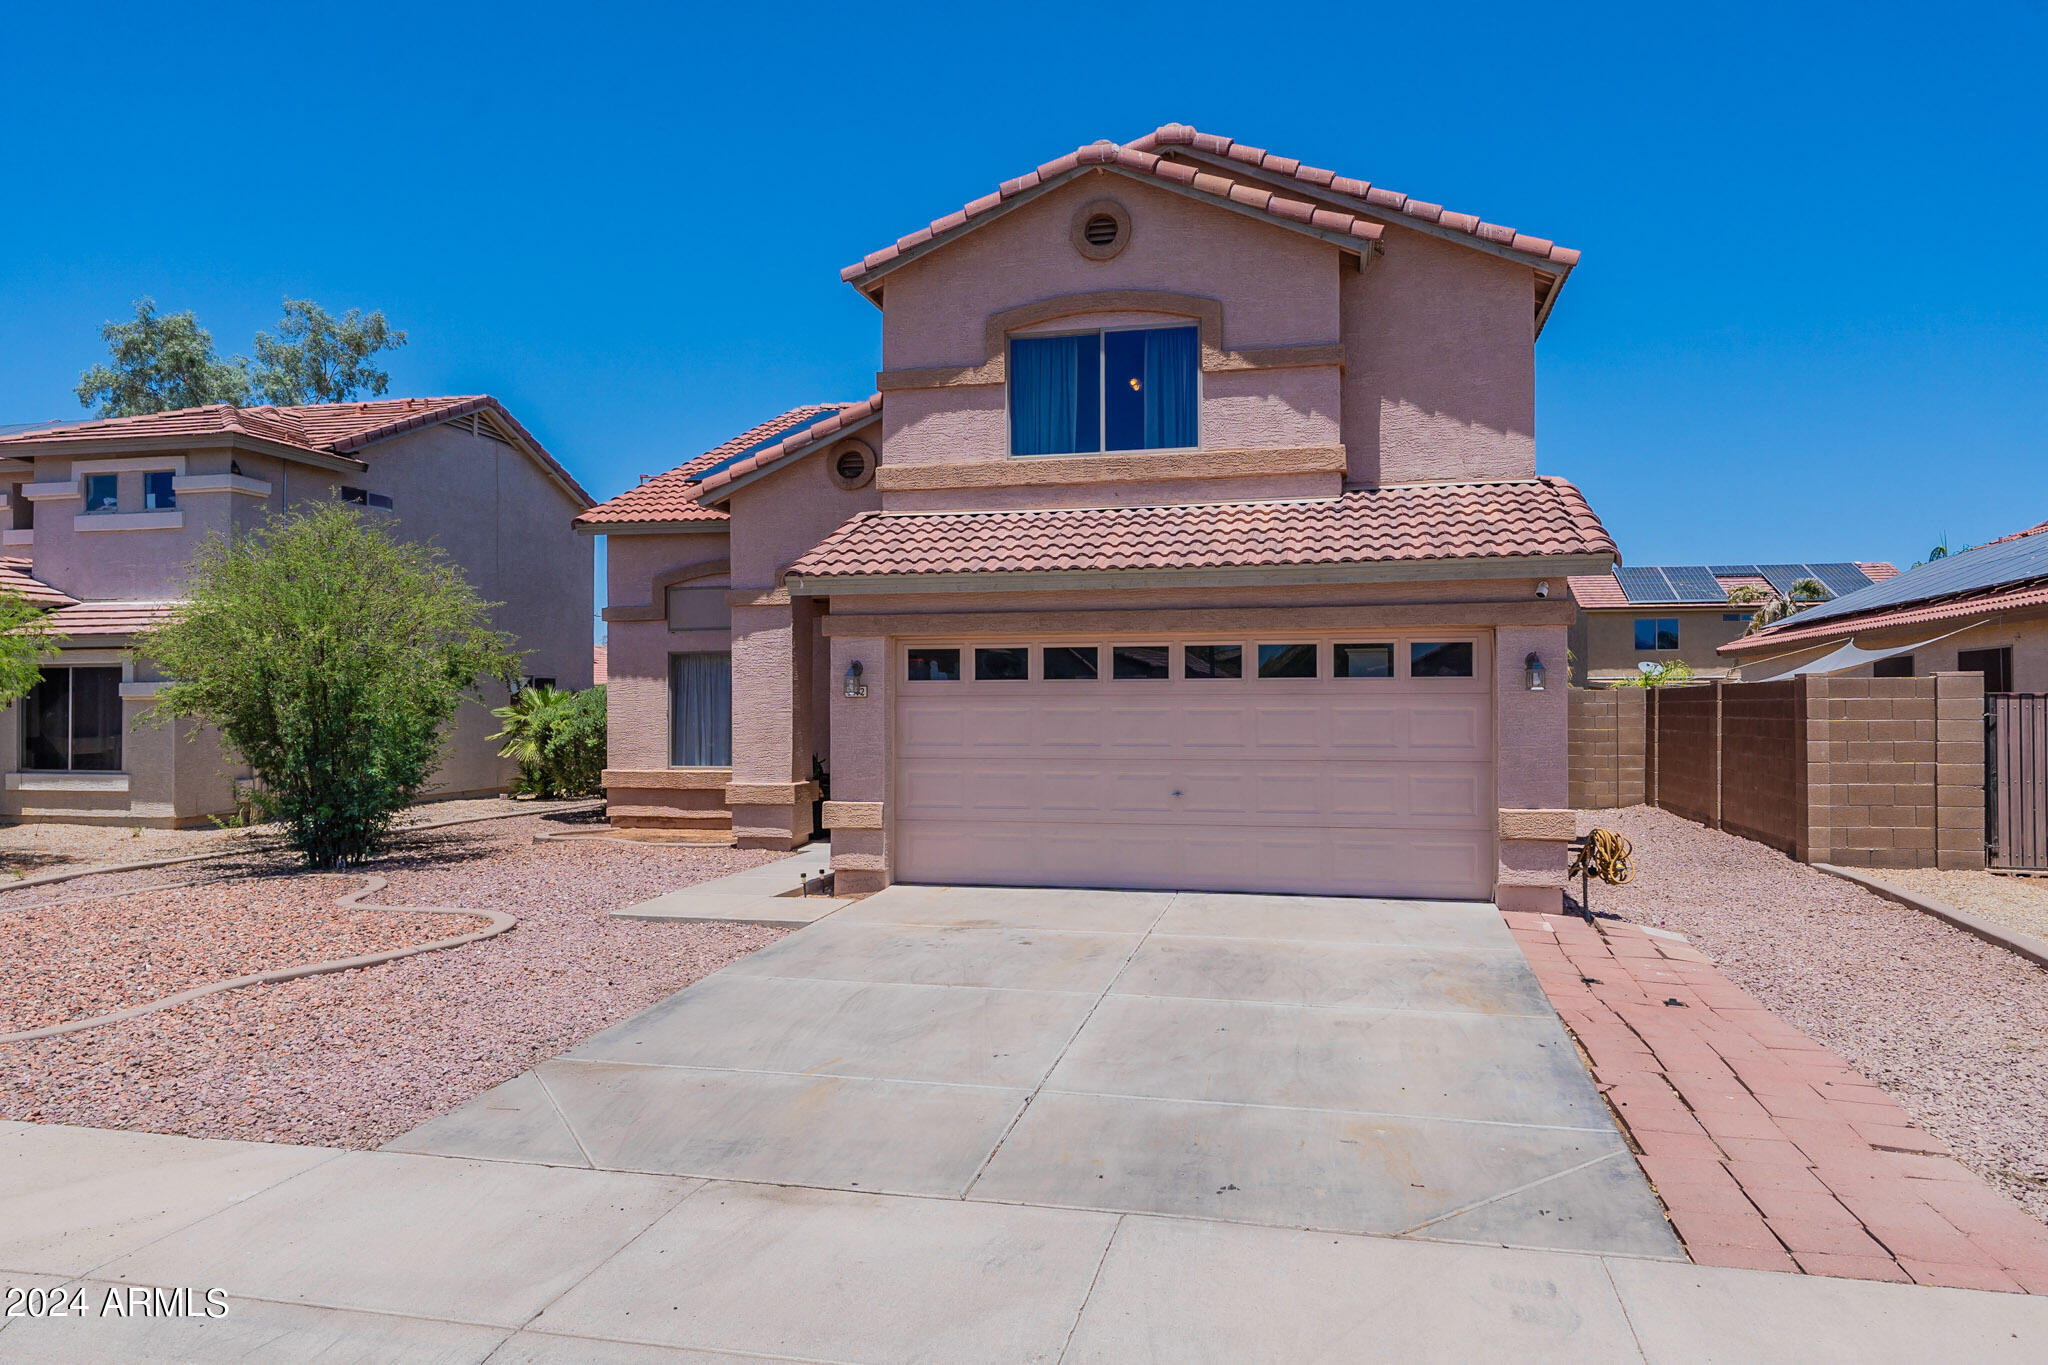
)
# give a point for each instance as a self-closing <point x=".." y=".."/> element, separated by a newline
<point x="1606" y="763"/>
<point x="1861" y="772"/>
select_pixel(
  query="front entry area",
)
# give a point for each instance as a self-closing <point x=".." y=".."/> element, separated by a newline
<point x="1353" y="764"/>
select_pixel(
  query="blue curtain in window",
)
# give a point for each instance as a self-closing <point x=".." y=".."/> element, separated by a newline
<point x="1171" y="364"/>
<point x="1053" y="395"/>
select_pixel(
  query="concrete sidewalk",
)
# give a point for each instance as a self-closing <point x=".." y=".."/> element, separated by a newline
<point x="757" y="895"/>
<point x="371" y="1256"/>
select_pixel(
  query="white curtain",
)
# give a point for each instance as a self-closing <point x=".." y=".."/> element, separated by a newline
<point x="700" y="710"/>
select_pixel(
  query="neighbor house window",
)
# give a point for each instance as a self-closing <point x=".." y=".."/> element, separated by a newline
<point x="1364" y="661"/>
<point x="1287" y="661"/>
<point x="700" y="710"/>
<point x="934" y="665"/>
<point x="71" y="721"/>
<point x="1450" y="659"/>
<point x="1125" y="390"/>
<point x="1994" y="664"/>
<point x="1067" y="662"/>
<point x="157" y="493"/>
<point x="102" y="493"/>
<point x="1657" y="634"/>
<point x="1212" y="661"/>
<point x="362" y="497"/>
<point x="1898" y="666"/>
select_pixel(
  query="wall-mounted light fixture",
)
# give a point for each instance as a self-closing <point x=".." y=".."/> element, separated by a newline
<point x="1532" y="672"/>
<point x="856" y="688"/>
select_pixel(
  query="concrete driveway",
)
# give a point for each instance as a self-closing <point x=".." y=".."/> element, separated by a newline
<point x="1358" y="1066"/>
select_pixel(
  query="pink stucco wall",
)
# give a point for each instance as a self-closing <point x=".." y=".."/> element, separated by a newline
<point x="637" y="693"/>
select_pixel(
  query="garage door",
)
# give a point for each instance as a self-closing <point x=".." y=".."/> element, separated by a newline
<point x="1353" y="765"/>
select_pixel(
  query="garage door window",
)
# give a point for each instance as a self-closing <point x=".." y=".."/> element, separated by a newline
<point x="1442" y="659"/>
<point x="1074" y="662"/>
<point x="1138" y="661"/>
<point x="1213" y="661"/>
<point x="1001" y="665"/>
<point x="1287" y="661"/>
<point x="1364" y="661"/>
<point x="934" y="665"/>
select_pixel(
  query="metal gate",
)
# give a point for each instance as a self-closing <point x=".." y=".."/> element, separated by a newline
<point x="2016" y="780"/>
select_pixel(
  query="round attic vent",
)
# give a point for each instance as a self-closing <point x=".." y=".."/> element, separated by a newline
<point x="853" y="464"/>
<point x="1101" y="229"/>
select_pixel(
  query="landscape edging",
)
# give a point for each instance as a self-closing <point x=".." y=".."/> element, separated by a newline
<point x="499" y="923"/>
<point x="2026" y="945"/>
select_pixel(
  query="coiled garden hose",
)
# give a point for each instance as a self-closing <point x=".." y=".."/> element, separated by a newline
<point x="1605" y="855"/>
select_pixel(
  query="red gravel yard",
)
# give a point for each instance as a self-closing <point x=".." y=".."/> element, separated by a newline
<point x="351" y="1058"/>
<point x="92" y="956"/>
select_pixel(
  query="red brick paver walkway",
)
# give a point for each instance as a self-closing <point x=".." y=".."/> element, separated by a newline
<point x="1768" y="1150"/>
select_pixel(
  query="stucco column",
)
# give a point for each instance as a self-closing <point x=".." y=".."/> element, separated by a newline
<point x="863" y="736"/>
<point x="1532" y="768"/>
<point x="770" y="803"/>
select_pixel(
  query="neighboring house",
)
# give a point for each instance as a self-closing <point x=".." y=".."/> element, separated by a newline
<point x="1193" y="540"/>
<point x="106" y="514"/>
<point x="1979" y="611"/>
<point x="1682" y="613"/>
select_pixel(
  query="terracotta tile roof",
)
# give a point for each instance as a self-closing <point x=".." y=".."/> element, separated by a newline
<point x="18" y="576"/>
<point x="1294" y="212"/>
<point x="323" y="428"/>
<point x="849" y="415"/>
<point x="110" y="618"/>
<point x="1414" y="522"/>
<point x="2016" y="535"/>
<point x="600" y="665"/>
<point x="1373" y="196"/>
<point x="1597" y="590"/>
<point x="1843" y="627"/>
<point x="673" y="496"/>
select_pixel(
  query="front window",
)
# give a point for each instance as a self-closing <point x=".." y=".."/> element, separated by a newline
<point x="71" y="721"/>
<point x="1117" y="390"/>
<point x="700" y="710"/>
<point x="102" y="493"/>
<point x="1657" y="634"/>
<point x="158" y="495"/>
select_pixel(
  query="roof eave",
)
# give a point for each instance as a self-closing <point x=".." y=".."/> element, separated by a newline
<point x="1236" y="575"/>
<point x="722" y="525"/>
<point x="716" y="497"/>
<point x="86" y="446"/>
<point x="869" y="280"/>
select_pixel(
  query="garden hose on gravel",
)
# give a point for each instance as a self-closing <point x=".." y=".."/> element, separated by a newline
<point x="1603" y="854"/>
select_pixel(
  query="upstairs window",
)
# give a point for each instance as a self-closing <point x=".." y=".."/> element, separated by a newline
<point x="1097" y="391"/>
<point x="1657" y="634"/>
<point x="364" y="498"/>
<point x="102" y="493"/>
<point x="157" y="493"/>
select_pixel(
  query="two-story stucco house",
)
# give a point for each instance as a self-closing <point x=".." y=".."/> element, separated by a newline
<point x="106" y="514"/>
<point x="1194" y="539"/>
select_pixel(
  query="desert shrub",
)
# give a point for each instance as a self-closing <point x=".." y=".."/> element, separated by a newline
<point x="557" y="738"/>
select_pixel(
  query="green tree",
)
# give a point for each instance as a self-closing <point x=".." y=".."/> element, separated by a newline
<point x="330" y="657"/>
<point x="159" y="362"/>
<point x="319" y="358"/>
<point x="1670" y="673"/>
<point x="25" y="639"/>
<point x="558" y="739"/>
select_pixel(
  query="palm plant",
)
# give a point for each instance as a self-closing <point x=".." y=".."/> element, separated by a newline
<point x="530" y="721"/>
<point x="1805" y="593"/>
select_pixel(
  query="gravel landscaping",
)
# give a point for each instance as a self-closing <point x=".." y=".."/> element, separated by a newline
<point x="2016" y="903"/>
<point x="1955" y="1029"/>
<point x="32" y="850"/>
<point x="78" y="958"/>
<point x="354" y="1058"/>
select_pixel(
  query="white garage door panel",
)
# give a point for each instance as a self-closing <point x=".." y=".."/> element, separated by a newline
<point x="1332" y="785"/>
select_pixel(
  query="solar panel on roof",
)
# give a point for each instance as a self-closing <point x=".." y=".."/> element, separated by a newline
<point x="1840" y="579"/>
<point x="1694" y="583"/>
<point x="1643" y="584"/>
<point x="1783" y="576"/>
<point x="1986" y="567"/>
<point x="764" y="443"/>
<point x="1734" y="571"/>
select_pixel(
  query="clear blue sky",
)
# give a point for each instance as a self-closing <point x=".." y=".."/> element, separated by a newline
<point x="1811" y="321"/>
